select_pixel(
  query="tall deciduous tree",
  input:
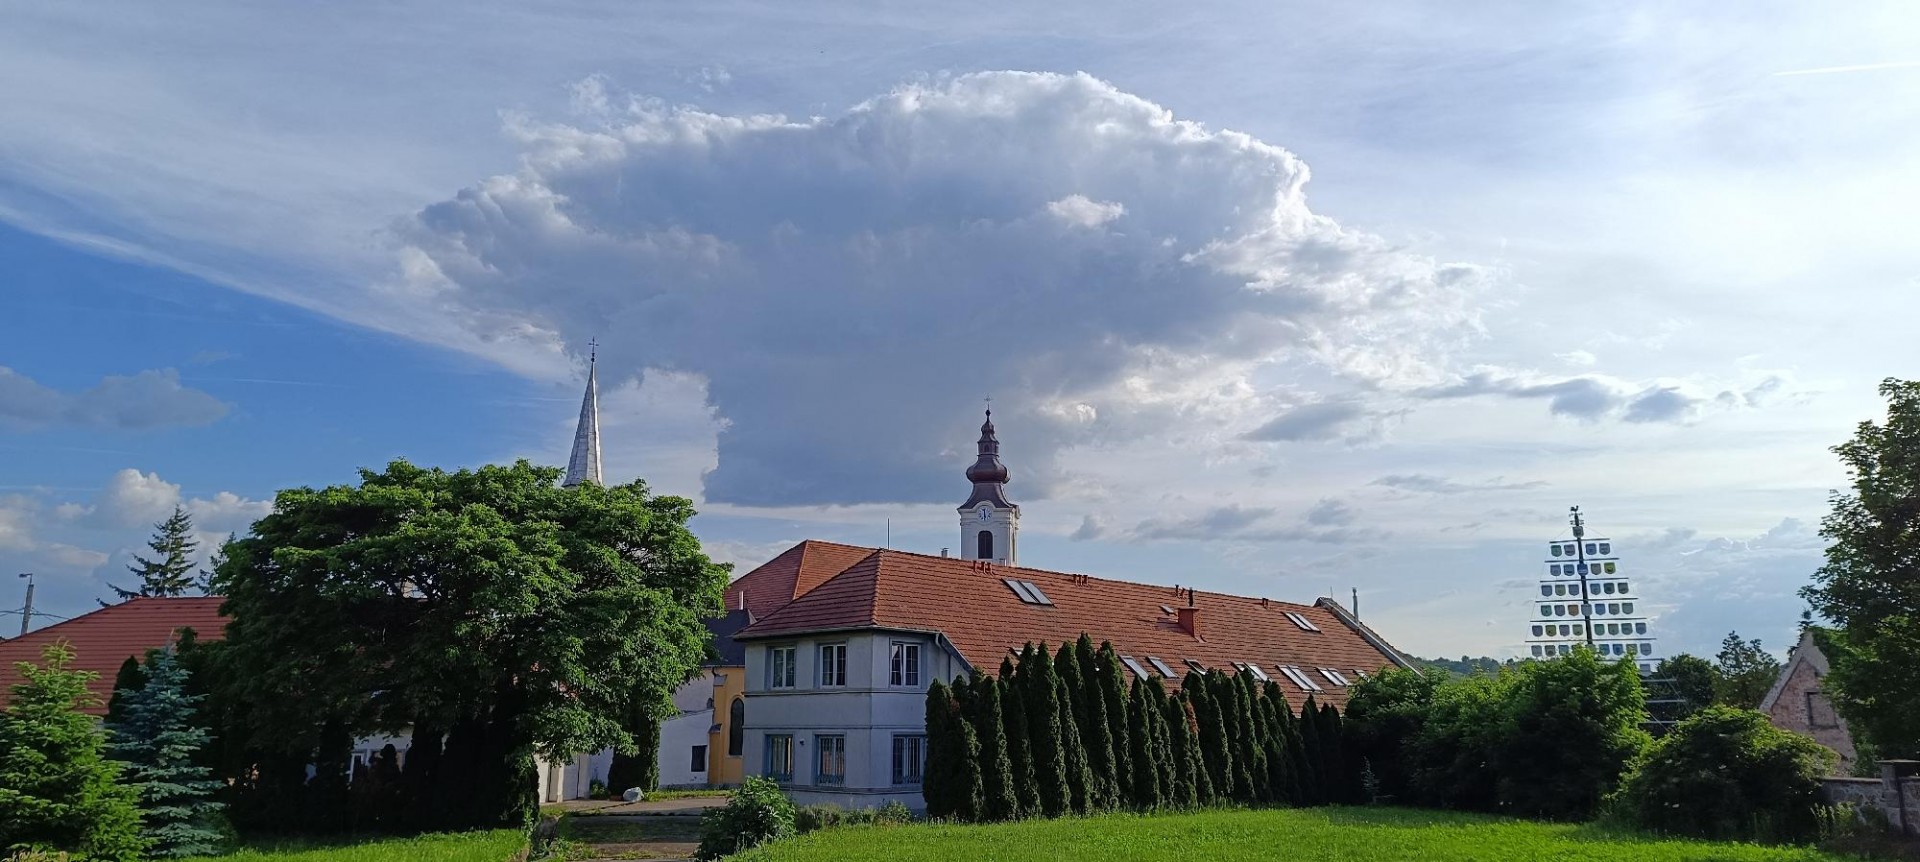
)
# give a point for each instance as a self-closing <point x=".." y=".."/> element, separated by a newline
<point x="1681" y="686"/>
<point x="491" y="608"/>
<point x="169" y="572"/>
<point x="1747" y="671"/>
<point x="159" y="740"/>
<point x="58" y="792"/>
<point x="1867" y="586"/>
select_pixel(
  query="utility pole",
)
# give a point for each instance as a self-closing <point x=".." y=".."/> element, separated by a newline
<point x="1580" y="551"/>
<point x="26" y="614"/>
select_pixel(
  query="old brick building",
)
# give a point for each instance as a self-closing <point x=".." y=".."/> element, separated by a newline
<point x="1798" y="703"/>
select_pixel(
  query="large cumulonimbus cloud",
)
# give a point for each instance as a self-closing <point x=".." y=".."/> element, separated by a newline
<point x="851" y="287"/>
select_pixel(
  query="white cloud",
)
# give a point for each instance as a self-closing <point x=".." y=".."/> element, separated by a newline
<point x="16" y="522"/>
<point x="892" y="256"/>
<point x="149" y="399"/>
<point x="1079" y="211"/>
<point x="133" y="499"/>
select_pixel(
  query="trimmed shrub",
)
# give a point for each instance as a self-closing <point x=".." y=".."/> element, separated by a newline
<point x="756" y="814"/>
<point x="998" y="798"/>
<point x="1727" y="773"/>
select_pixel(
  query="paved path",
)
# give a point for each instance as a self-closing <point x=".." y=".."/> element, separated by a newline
<point x="694" y="805"/>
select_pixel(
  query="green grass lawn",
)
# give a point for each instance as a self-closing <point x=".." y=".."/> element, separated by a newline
<point x="495" y="846"/>
<point x="1370" y="834"/>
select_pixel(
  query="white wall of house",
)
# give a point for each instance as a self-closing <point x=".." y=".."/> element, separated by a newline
<point x="868" y="713"/>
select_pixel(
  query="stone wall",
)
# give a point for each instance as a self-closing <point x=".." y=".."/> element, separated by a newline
<point x="1802" y="707"/>
<point x="1896" y="794"/>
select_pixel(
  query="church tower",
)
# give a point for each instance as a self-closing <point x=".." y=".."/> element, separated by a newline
<point x="989" y="525"/>
<point x="584" y="464"/>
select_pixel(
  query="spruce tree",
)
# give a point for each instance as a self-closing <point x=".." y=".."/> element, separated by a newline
<point x="938" y="783"/>
<point x="999" y="799"/>
<point x="1041" y="692"/>
<point x="1112" y="679"/>
<point x="170" y="571"/>
<point x="158" y="740"/>
<point x="1144" y="791"/>
<point x="1013" y="711"/>
<point x="58" y="791"/>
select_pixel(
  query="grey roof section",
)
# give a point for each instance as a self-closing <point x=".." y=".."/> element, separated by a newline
<point x="1372" y="638"/>
<point x="584" y="464"/>
<point x="728" y="652"/>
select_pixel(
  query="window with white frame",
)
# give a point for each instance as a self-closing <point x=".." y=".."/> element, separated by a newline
<point x="1302" y="622"/>
<point x="830" y="759"/>
<point x="781" y="666"/>
<point x="1160" y="667"/>
<point x="1299" y="678"/>
<point x="1132" y="665"/>
<point x="905" y="664"/>
<point x="909" y="758"/>
<point x="1254" y="669"/>
<point x="1334" y="676"/>
<point x="833" y="664"/>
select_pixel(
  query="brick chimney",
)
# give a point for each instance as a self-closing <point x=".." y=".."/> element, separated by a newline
<point x="1189" y="617"/>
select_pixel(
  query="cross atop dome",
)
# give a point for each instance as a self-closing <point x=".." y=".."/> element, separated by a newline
<point x="989" y="523"/>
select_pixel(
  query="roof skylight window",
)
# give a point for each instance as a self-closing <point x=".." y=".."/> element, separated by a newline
<point x="1299" y="679"/>
<point x="1160" y="666"/>
<point x="1027" y="592"/>
<point x="1254" y="669"/>
<point x="1302" y="622"/>
<point x="1333" y="676"/>
<point x="1138" y="671"/>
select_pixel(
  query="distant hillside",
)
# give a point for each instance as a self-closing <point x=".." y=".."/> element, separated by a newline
<point x="1462" y="666"/>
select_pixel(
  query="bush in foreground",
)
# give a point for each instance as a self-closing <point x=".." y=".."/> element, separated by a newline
<point x="58" y="791"/>
<point x="757" y="813"/>
<point x="1727" y="773"/>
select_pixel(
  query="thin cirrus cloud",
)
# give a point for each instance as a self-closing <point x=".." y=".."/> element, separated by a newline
<point x="1427" y="484"/>
<point x="143" y="401"/>
<point x="1036" y="238"/>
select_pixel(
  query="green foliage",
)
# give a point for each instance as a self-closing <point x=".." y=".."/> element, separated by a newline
<point x="490" y="846"/>
<point x="999" y="801"/>
<point x="58" y="792"/>
<point x="1040" y="691"/>
<point x="951" y="783"/>
<point x="1322" y="834"/>
<point x="1867" y="587"/>
<point x="1111" y="678"/>
<point x="492" y="611"/>
<point x="170" y="571"/>
<point x="1013" y="712"/>
<point x="159" y="743"/>
<point x="1463" y="666"/>
<point x="755" y="814"/>
<point x="1573" y="725"/>
<point x="1096" y="731"/>
<point x="1745" y="672"/>
<point x="813" y="818"/>
<point x="1686" y="685"/>
<point x="1385" y="716"/>
<point x="1727" y="773"/>
<point x="1145" y="726"/>
<point x="1081" y="789"/>
<point x="642" y="767"/>
<point x="131" y="678"/>
<point x="1216" y="751"/>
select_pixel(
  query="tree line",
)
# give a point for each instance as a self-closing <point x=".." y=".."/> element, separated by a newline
<point x="1066" y="734"/>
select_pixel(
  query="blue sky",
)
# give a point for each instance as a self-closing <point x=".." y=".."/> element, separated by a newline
<point x="1270" y="298"/>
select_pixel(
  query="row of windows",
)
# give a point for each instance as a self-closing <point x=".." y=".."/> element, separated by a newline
<point x="1292" y="672"/>
<point x="1570" y="549"/>
<point x="1580" y="629"/>
<point x="1599" y="609"/>
<point x="1609" y="588"/>
<point x="1605" y="649"/>
<point x="782" y="663"/>
<point x="830" y="758"/>
<point x="1570" y="569"/>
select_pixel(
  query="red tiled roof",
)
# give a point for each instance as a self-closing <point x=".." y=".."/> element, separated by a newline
<point x="792" y="574"/>
<point x="103" y="639"/>
<point x="982" y="617"/>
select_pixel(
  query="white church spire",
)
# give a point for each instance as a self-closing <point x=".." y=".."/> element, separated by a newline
<point x="989" y="524"/>
<point x="584" y="464"/>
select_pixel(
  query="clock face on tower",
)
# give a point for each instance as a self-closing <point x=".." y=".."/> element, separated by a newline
<point x="984" y="513"/>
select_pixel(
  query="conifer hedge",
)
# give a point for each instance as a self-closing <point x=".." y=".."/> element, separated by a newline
<point x="1063" y="733"/>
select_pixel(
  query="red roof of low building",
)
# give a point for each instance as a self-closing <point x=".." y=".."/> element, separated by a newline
<point x="102" y="640"/>
<point x="971" y="605"/>
<point x="794" y="573"/>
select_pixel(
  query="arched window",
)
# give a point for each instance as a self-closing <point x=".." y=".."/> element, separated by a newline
<point x="736" y="727"/>
<point x="986" y="545"/>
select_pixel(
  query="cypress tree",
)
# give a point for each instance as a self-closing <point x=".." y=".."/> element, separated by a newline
<point x="1041" y="692"/>
<point x="1096" y="729"/>
<point x="1013" y="708"/>
<point x="937" y="781"/>
<point x="1080" y="786"/>
<point x="1112" y="679"/>
<point x="1143" y="786"/>
<point x="1215" y="751"/>
<point x="999" y="801"/>
<point x="1189" y="760"/>
<point x="1240" y="735"/>
<point x="970" y="797"/>
<point x="1246" y="696"/>
<point x="1334" y="770"/>
<point x="1273" y="706"/>
<point x="1311" y="781"/>
<point x="157" y="740"/>
<point x="1074" y="729"/>
<point x="131" y="678"/>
